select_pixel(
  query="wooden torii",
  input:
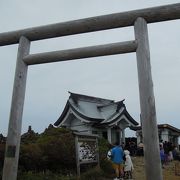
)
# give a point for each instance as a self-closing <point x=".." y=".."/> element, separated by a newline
<point x="136" y="18"/>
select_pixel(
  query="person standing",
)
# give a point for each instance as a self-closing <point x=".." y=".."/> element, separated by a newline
<point x="128" y="165"/>
<point x="117" y="159"/>
<point x="162" y="156"/>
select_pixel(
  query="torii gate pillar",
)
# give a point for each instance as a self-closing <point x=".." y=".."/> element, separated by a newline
<point x="15" y="121"/>
<point x="147" y="103"/>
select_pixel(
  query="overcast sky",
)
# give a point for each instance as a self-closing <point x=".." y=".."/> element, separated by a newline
<point x="113" y="77"/>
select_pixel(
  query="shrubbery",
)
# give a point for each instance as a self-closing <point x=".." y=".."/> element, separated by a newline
<point x="43" y="176"/>
<point x="2" y="152"/>
<point x="53" y="150"/>
<point x="51" y="155"/>
<point x="93" y="174"/>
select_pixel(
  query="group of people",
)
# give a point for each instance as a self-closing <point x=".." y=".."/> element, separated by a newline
<point x="168" y="152"/>
<point x="123" y="165"/>
<point x="121" y="161"/>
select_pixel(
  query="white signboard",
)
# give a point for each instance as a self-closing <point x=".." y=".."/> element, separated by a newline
<point x="87" y="151"/>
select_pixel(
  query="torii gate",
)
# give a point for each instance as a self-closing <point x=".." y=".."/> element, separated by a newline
<point x="136" y="18"/>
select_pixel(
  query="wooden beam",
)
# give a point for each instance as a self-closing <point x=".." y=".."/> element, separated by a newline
<point x="77" y="157"/>
<point x="116" y="20"/>
<point x="15" y="120"/>
<point x="79" y="53"/>
<point x="147" y="103"/>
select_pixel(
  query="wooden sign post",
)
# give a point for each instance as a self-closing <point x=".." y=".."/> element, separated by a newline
<point x="87" y="150"/>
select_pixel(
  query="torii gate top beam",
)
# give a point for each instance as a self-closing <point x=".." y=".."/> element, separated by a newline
<point x="116" y="20"/>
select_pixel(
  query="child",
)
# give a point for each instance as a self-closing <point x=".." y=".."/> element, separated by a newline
<point x="109" y="155"/>
<point x="128" y="165"/>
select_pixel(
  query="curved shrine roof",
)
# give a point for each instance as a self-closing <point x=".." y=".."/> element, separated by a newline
<point x="95" y="110"/>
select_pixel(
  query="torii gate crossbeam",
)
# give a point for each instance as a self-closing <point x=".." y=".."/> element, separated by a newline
<point x="98" y="23"/>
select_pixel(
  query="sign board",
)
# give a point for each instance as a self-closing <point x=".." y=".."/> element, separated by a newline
<point x="86" y="149"/>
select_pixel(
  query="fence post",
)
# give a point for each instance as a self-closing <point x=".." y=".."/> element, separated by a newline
<point x="77" y="156"/>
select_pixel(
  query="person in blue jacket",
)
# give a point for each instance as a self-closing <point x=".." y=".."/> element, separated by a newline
<point x="117" y="154"/>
